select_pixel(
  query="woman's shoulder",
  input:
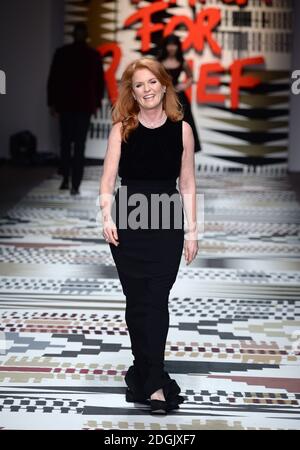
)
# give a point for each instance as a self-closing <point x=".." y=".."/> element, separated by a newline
<point x="115" y="131"/>
<point x="116" y="127"/>
<point x="186" y="126"/>
<point x="187" y="135"/>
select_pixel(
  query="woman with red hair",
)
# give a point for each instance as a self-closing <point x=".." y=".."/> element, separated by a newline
<point x="149" y="147"/>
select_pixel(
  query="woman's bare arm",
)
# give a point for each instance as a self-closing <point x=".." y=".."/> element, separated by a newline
<point x="187" y="181"/>
<point x="110" y="170"/>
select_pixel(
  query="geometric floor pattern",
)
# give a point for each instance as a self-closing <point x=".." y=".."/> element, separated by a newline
<point x="233" y="341"/>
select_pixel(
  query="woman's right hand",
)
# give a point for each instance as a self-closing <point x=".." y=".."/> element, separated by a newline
<point x="110" y="232"/>
<point x="191" y="248"/>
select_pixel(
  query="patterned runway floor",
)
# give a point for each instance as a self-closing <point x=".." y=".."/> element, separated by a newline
<point x="233" y="342"/>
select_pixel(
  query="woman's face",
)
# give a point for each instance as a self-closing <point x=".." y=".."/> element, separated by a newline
<point x="147" y="89"/>
<point x="171" y="49"/>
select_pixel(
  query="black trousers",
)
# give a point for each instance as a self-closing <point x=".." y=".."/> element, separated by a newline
<point x="73" y="129"/>
<point x="147" y="319"/>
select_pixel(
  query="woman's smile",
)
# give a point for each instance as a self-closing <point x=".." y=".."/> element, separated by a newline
<point x="147" y="89"/>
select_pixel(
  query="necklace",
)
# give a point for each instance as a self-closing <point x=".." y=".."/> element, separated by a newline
<point x="153" y="124"/>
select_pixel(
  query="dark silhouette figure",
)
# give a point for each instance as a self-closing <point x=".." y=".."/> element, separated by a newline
<point x="171" y="56"/>
<point x="75" y="92"/>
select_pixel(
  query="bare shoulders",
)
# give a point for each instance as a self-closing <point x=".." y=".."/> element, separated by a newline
<point x="186" y="127"/>
<point x="187" y="135"/>
<point x="115" y="131"/>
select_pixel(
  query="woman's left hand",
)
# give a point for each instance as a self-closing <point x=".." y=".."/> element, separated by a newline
<point x="191" y="248"/>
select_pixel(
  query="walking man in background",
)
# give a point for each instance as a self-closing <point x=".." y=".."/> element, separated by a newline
<point x="75" y="91"/>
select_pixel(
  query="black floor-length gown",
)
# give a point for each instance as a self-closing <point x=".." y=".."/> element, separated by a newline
<point x="147" y="260"/>
<point x="188" y="115"/>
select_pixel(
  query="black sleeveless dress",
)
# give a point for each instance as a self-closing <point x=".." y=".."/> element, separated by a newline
<point x="147" y="258"/>
<point x="188" y="115"/>
<point x="150" y="163"/>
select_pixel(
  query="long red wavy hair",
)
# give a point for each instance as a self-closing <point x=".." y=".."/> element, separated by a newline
<point x="126" y="108"/>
